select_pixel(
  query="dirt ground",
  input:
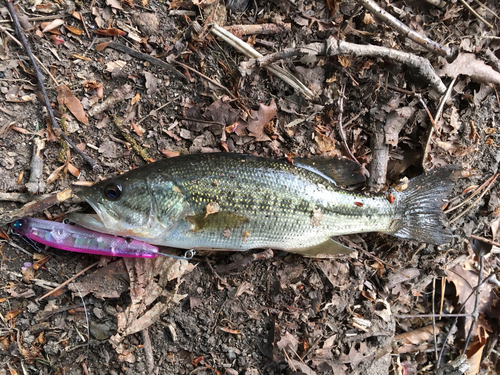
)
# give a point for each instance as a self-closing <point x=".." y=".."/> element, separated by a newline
<point x="369" y="313"/>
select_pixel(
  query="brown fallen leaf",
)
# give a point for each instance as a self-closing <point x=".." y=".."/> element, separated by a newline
<point x="110" y="32"/>
<point x="74" y="30"/>
<point x="469" y="65"/>
<point x="465" y="281"/>
<point x="258" y="119"/>
<point x="66" y="97"/>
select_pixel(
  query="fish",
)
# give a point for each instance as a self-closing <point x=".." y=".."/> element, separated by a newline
<point x="238" y="202"/>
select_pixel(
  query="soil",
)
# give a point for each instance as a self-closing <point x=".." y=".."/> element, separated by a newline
<point x="288" y="314"/>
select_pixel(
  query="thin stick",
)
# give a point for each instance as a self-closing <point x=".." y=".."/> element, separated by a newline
<point x="248" y="51"/>
<point x="36" y="58"/>
<point x="207" y="78"/>
<point x="68" y="281"/>
<point x="490" y="242"/>
<point x="149" y="115"/>
<point x="456" y="319"/>
<point x="476" y="192"/>
<point x="434" y="125"/>
<point x="475" y="314"/>
<point x="150" y="360"/>
<point x="476" y="14"/>
<point x="488" y="9"/>
<point x="441" y="316"/>
<point x="40" y="78"/>
<point x="434" y="317"/>
<point x="30" y="209"/>
<point x="341" y="130"/>
<point x="405" y="30"/>
<point x="477" y="200"/>
<point x="142" y="56"/>
<point x="444" y="98"/>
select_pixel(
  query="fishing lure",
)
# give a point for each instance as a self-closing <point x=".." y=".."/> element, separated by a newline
<point x="74" y="238"/>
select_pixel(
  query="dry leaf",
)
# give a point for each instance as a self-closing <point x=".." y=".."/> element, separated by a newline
<point x="110" y="32"/>
<point x="469" y="65"/>
<point x="56" y="40"/>
<point x="465" y="281"/>
<point x="212" y="208"/>
<point x="66" y="97"/>
<point x="257" y="121"/>
<point x="74" y="30"/>
<point x="53" y="25"/>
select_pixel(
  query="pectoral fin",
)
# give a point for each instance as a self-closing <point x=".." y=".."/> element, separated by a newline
<point x="217" y="221"/>
<point x="329" y="247"/>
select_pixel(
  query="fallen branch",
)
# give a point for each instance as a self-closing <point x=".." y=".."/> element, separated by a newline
<point x="262" y="29"/>
<point x="334" y="47"/>
<point x="405" y="30"/>
<point x="40" y="78"/>
<point x="35" y="207"/>
<point x="142" y="56"/>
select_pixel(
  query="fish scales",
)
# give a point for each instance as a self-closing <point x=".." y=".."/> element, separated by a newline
<point x="261" y="203"/>
<point x="279" y="201"/>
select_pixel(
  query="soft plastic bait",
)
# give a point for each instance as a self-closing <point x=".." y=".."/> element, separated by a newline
<point x="74" y="238"/>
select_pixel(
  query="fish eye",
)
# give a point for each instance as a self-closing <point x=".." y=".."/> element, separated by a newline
<point x="18" y="224"/>
<point x="112" y="191"/>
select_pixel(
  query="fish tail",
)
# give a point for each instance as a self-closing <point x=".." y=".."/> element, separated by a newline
<point x="419" y="213"/>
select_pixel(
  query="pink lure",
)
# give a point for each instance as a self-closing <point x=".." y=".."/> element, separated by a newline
<point x="74" y="238"/>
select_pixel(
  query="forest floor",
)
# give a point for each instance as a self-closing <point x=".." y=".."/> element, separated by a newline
<point x="168" y="85"/>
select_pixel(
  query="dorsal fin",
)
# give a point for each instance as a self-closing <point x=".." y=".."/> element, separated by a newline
<point x="343" y="171"/>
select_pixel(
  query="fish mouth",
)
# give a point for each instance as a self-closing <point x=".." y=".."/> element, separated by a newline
<point x="102" y="221"/>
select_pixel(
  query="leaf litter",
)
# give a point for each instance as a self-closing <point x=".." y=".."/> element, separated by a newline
<point x="313" y="316"/>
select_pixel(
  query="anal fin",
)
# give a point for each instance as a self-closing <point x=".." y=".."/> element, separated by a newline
<point x="329" y="247"/>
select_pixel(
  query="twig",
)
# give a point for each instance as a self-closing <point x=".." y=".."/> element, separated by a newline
<point x="456" y="319"/>
<point x="40" y="78"/>
<point x="32" y="208"/>
<point x="333" y="47"/>
<point x="36" y="58"/>
<point x="286" y="54"/>
<point x="148" y="350"/>
<point x="248" y="51"/>
<point x="476" y="192"/>
<point x="341" y="130"/>
<point x="434" y="125"/>
<point x="493" y="58"/>
<point x="142" y="56"/>
<point x="262" y="29"/>
<point x="488" y="9"/>
<point x="477" y="200"/>
<point x="475" y="313"/>
<point x="138" y="149"/>
<point x="434" y="317"/>
<point x="68" y="281"/>
<point x="412" y="316"/>
<point x="267" y="254"/>
<point x="46" y="18"/>
<point x="444" y="98"/>
<point x="149" y="115"/>
<point x="207" y="78"/>
<point x="224" y="282"/>
<point x="405" y="30"/>
<point x="490" y="242"/>
<point x="476" y="14"/>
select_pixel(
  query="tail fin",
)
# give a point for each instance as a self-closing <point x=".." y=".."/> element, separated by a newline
<point x="419" y="214"/>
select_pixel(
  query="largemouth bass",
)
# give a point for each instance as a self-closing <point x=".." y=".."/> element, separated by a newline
<point x="239" y="202"/>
